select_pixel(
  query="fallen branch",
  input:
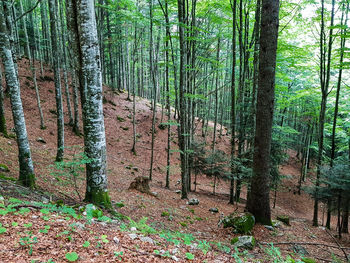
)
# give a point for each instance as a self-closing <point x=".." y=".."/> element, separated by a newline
<point x="305" y="244"/>
<point x="339" y="246"/>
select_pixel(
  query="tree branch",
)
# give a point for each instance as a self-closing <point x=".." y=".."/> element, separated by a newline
<point x="28" y="11"/>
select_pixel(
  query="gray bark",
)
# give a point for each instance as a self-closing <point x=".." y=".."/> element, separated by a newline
<point x="26" y="169"/>
<point x="57" y="79"/>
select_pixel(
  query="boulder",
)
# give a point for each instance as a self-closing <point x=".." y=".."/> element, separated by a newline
<point x="247" y="242"/>
<point x="41" y="140"/>
<point x="214" y="210"/>
<point x="284" y="219"/>
<point x="193" y="201"/>
<point x="242" y="223"/>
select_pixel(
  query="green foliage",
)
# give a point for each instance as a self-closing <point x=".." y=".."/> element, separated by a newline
<point x="70" y="172"/>
<point x="189" y="256"/>
<point x="72" y="256"/>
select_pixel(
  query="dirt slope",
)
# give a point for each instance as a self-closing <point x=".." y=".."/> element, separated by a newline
<point x="124" y="166"/>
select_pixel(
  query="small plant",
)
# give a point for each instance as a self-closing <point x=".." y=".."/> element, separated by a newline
<point x="28" y="241"/>
<point x="71" y="171"/>
<point x="189" y="256"/>
<point x="118" y="255"/>
<point x="86" y="244"/>
<point x="72" y="256"/>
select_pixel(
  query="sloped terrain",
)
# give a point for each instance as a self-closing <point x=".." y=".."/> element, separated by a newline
<point x="165" y="212"/>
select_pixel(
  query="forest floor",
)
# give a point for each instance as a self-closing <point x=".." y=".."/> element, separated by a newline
<point x="25" y="238"/>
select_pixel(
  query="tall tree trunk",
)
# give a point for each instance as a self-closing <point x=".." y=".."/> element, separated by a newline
<point x="258" y="202"/>
<point x="26" y="169"/>
<point x="325" y="64"/>
<point x="233" y="101"/>
<point x="57" y="79"/>
<point x="84" y="31"/>
<point x="3" y="128"/>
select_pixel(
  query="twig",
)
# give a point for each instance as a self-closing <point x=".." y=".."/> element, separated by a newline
<point x="339" y="246"/>
<point x="305" y="244"/>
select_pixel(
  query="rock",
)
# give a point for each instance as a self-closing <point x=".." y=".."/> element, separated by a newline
<point x="147" y="239"/>
<point x="247" y="242"/>
<point x="178" y="191"/>
<point x="284" y="219"/>
<point x="133" y="229"/>
<point x="242" y="224"/>
<point x="214" y="210"/>
<point x="44" y="200"/>
<point x="175" y="258"/>
<point x="300" y="250"/>
<point x="193" y="201"/>
<point x="269" y="227"/>
<point x="39" y="139"/>
<point x="116" y="240"/>
<point x="135" y="169"/>
<point x="175" y="250"/>
<point x="34" y="216"/>
<point x="155" y="194"/>
<point x="133" y="236"/>
<point x="79" y="225"/>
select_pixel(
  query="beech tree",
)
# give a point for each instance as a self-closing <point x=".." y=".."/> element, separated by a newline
<point x="57" y="79"/>
<point x="81" y="18"/>
<point x="26" y="169"/>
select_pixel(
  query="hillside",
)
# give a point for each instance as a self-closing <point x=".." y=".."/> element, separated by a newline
<point x="165" y="212"/>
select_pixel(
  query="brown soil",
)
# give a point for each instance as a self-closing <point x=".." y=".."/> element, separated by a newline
<point x="124" y="167"/>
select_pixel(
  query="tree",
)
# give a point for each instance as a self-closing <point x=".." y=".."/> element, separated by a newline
<point x="3" y="128"/>
<point x="26" y="169"/>
<point x="57" y="79"/>
<point x="83" y="28"/>
<point x="258" y="202"/>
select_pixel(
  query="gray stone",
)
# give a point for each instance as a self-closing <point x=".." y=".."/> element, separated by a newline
<point x="133" y="236"/>
<point x="133" y="229"/>
<point x="175" y="258"/>
<point x="242" y="223"/>
<point x="178" y="191"/>
<point x="247" y="242"/>
<point x="269" y="227"/>
<point x="147" y="239"/>
<point x="193" y="201"/>
<point x="39" y="139"/>
<point x="300" y="250"/>
<point x="214" y="210"/>
<point x="116" y="240"/>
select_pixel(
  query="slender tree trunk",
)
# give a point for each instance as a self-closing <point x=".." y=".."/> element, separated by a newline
<point x="57" y="79"/>
<point x="233" y="101"/>
<point x="26" y="169"/>
<point x="3" y="128"/>
<point x="325" y="64"/>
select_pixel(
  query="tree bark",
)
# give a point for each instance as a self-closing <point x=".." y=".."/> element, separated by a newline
<point x="26" y="169"/>
<point x="258" y="202"/>
<point x="57" y="80"/>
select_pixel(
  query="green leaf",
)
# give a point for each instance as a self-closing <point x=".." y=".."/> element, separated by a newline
<point x="73" y="256"/>
<point x="189" y="256"/>
<point x="86" y="244"/>
<point x="2" y="230"/>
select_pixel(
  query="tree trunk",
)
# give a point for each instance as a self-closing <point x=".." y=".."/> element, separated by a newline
<point x="3" y="128"/>
<point x="57" y="79"/>
<point x="85" y="32"/>
<point x="26" y="169"/>
<point x="258" y="202"/>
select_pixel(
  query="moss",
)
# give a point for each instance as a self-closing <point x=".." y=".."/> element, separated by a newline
<point x="165" y="213"/>
<point x="283" y="219"/>
<point x="98" y="197"/>
<point x="234" y="240"/>
<point x="4" y="167"/>
<point x="4" y="177"/>
<point x="120" y="119"/>
<point x="27" y="180"/>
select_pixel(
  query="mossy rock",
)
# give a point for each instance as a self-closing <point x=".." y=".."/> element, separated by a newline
<point x="284" y="219"/>
<point x="247" y="242"/>
<point x="165" y="213"/>
<point x="242" y="224"/>
<point x="4" y="168"/>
